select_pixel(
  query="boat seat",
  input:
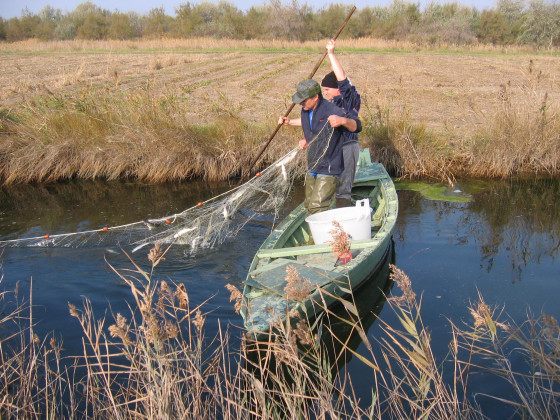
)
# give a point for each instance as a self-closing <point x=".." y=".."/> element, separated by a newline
<point x="273" y="277"/>
<point x="293" y="251"/>
<point x="326" y="260"/>
<point x="310" y="249"/>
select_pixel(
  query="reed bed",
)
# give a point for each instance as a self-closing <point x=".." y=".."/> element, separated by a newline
<point x="521" y="138"/>
<point x="406" y="149"/>
<point x="144" y="136"/>
<point x="524" y="137"/>
<point x="136" y="136"/>
<point x="156" y="362"/>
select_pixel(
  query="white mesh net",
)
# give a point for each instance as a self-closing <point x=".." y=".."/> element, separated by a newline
<point x="205" y="225"/>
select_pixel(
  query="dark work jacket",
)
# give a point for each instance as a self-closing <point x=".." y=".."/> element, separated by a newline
<point x="349" y="100"/>
<point x="324" y="152"/>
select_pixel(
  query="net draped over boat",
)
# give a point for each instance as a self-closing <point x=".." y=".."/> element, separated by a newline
<point x="205" y="225"/>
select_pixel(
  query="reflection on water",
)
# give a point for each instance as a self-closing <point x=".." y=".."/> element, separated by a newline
<point x="502" y="245"/>
<point x="63" y="275"/>
<point x="518" y="220"/>
<point x="342" y="332"/>
<point x="31" y="210"/>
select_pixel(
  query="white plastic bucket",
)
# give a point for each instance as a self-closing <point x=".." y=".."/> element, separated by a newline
<point x="355" y="221"/>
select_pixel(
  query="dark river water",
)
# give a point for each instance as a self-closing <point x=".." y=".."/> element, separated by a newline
<point x="502" y="244"/>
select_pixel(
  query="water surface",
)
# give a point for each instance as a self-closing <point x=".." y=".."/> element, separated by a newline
<point x="502" y="244"/>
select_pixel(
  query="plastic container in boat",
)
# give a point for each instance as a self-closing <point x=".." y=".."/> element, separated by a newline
<point x="355" y="221"/>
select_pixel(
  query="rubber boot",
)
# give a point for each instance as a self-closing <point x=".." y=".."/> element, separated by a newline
<point x="320" y="193"/>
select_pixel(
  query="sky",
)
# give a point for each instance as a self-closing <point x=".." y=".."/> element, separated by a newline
<point x="13" y="8"/>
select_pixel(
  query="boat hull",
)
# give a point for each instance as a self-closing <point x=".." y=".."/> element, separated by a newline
<point x="289" y="255"/>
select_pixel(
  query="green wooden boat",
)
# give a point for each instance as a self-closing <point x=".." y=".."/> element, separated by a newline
<point x="290" y="244"/>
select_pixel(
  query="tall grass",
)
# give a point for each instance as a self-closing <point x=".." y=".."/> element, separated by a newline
<point x="140" y="135"/>
<point x="156" y="362"/>
<point x="521" y="138"/>
<point x="143" y="135"/>
<point x="405" y="148"/>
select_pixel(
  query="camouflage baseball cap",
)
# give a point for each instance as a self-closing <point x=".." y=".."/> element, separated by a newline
<point x="306" y="89"/>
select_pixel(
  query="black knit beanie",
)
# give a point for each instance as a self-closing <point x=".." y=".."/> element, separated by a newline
<point x="330" y="81"/>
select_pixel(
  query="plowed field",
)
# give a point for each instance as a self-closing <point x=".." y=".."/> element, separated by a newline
<point x="447" y="91"/>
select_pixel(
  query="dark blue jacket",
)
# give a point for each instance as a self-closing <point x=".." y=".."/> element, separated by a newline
<point x="349" y="100"/>
<point x="324" y="152"/>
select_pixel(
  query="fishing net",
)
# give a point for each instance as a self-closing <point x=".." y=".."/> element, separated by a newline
<point x="204" y="225"/>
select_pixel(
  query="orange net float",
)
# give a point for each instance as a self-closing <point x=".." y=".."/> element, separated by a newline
<point x="105" y="228"/>
<point x="47" y="236"/>
<point x="168" y="221"/>
<point x="258" y="174"/>
<point x="200" y="203"/>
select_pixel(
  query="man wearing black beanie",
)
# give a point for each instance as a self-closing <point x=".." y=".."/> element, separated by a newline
<point x="338" y="89"/>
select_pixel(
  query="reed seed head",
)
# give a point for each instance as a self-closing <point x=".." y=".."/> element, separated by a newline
<point x="341" y="240"/>
<point x="73" y="310"/>
<point x="120" y="330"/>
<point x="171" y="330"/>
<point x="235" y="295"/>
<point x="297" y="288"/>
<point x="403" y="283"/>
<point x="182" y="296"/>
<point x="198" y="321"/>
<point x="156" y="254"/>
<point x="550" y="329"/>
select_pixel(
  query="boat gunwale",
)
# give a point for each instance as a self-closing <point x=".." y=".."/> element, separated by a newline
<point x="269" y="248"/>
<point x="379" y="242"/>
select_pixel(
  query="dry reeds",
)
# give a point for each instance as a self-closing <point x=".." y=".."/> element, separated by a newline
<point x="144" y="136"/>
<point x="297" y="287"/>
<point x="418" y="386"/>
<point x="33" y="382"/>
<point x="406" y="149"/>
<point x="341" y="241"/>
<point x="522" y="138"/>
<point x="136" y="135"/>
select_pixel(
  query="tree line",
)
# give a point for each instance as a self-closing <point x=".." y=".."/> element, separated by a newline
<point x="510" y="22"/>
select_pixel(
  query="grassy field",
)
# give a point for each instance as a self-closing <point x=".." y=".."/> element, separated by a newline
<point x="459" y="109"/>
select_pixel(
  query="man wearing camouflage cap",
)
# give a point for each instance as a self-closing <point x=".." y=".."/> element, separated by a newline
<point x="324" y="152"/>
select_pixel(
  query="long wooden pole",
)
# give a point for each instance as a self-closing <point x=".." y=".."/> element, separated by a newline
<point x="293" y="104"/>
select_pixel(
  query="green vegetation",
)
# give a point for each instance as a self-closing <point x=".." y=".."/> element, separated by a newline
<point x="439" y="192"/>
<point x="511" y="22"/>
<point x="156" y="363"/>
